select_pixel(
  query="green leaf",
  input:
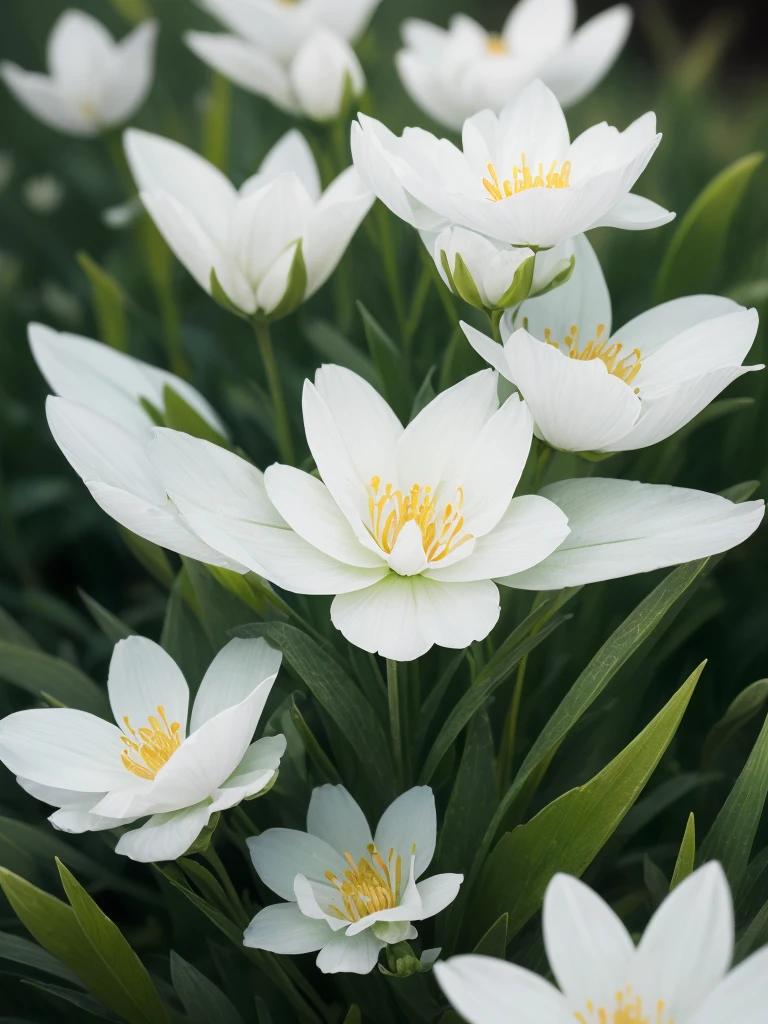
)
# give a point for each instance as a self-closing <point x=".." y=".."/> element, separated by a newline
<point x="125" y="979"/>
<point x="22" y="951"/>
<point x="13" y="633"/>
<point x="562" y="278"/>
<point x="324" y="767"/>
<point x="333" y="347"/>
<point x="108" y="304"/>
<point x="390" y="367"/>
<point x="203" y="1001"/>
<point x="494" y="942"/>
<point x="182" y="636"/>
<point x="474" y="699"/>
<point x="655" y="881"/>
<point x="568" y="834"/>
<point x="152" y="557"/>
<point x="111" y="626"/>
<point x="220" y="610"/>
<point x="687" y="855"/>
<point x="743" y="708"/>
<point x="134" y="11"/>
<point x="41" y="674"/>
<point x="220" y="296"/>
<point x="217" y="118"/>
<point x="695" y="253"/>
<point x="464" y="283"/>
<point x="731" y="837"/>
<point x="57" y="928"/>
<point x="424" y="395"/>
<point x="353" y="1017"/>
<point x="750" y="293"/>
<point x="521" y="284"/>
<point x="82" y="1000"/>
<point x="179" y="415"/>
<point x="337" y="694"/>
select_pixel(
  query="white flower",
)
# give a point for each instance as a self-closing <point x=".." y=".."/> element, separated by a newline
<point x="678" y="974"/>
<point x="94" y="83"/>
<point x="273" y="243"/>
<point x="350" y="893"/>
<point x="593" y="391"/>
<point x="452" y="74"/>
<point x="102" y="776"/>
<point x="483" y="272"/>
<point x="43" y="194"/>
<point x="518" y="179"/>
<point x="317" y="82"/>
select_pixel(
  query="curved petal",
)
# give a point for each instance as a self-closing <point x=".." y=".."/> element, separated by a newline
<point x="280" y="854"/>
<point x="129" y="77"/>
<point x="404" y="617"/>
<point x="687" y="948"/>
<point x="79" y="47"/>
<point x="532" y="122"/>
<point x="283" y="928"/>
<point x="234" y="674"/>
<point x="654" y="328"/>
<point x="577" y="405"/>
<point x="260" y="762"/>
<point x="588" y="947"/>
<point x="165" y="836"/>
<point x="438" y="892"/>
<point x="335" y="816"/>
<point x="247" y="65"/>
<point x="742" y="996"/>
<point x="485" y="990"/>
<point x="43" y="98"/>
<point x="357" y="955"/>
<point x="349" y="18"/>
<point x="621" y="527"/>
<point x="142" y="679"/>
<point x="487" y="349"/>
<point x="284" y="26"/>
<point x="291" y="154"/>
<point x="190" y="244"/>
<point x="635" y="213"/>
<point x="529" y="531"/>
<point x="336" y="218"/>
<point x="540" y="27"/>
<point x="585" y="59"/>
<point x="409" y="825"/>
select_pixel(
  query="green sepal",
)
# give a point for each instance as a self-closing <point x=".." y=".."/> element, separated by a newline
<point x="559" y="279"/>
<point x="587" y="456"/>
<point x="295" y="290"/>
<point x="203" y="841"/>
<point x="465" y="285"/>
<point x="448" y="272"/>
<point x="220" y="296"/>
<point x="403" y="962"/>
<point x="153" y="412"/>
<point x="263" y="792"/>
<point x="179" y="415"/>
<point x="520" y="287"/>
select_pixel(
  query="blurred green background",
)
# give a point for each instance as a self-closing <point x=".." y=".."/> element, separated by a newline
<point x="701" y="68"/>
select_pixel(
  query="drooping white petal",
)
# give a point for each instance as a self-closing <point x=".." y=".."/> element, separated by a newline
<point x="236" y="671"/>
<point x="142" y="679"/>
<point x="336" y="817"/>
<point x="410" y="821"/>
<point x="438" y="892"/>
<point x="485" y="990"/>
<point x="282" y="928"/>
<point x="165" y="836"/>
<point x="621" y="527"/>
<point x="588" y="947"/>
<point x="357" y="955"/>
<point x="76" y="817"/>
<point x="741" y="997"/>
<point x="280" y="854"/>
<point x="283" y="25"/>
<point x="247" y="65"/>
<point x="586" y="58"/>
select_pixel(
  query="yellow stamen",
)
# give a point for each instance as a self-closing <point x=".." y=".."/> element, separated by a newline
<point x="626" y="368"/>
<point x="524" y="178"/>
<point x="154" y="745"/>
<point x="442" y="529"/>
<point x="628" y="1009"/>
<point x="497" y="44"/>
<point x="367" y="886"/>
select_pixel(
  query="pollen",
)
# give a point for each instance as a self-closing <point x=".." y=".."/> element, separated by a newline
<point x="525" y="177"/>
<point x="441" y="525"/>
<point x="151" y="747"/>
<point x="368" y="886"/>
<point x="496" y="45"/>
<point x="626" y="367"/>
<point x="627" y="1009"/>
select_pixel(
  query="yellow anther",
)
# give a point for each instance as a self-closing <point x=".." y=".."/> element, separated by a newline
<point x="626" y="367"/>
<point x="442" y="529"/>
<point x="369" y="885"/>
<point x="524" y="178"/>
<point x="153" y="745"/>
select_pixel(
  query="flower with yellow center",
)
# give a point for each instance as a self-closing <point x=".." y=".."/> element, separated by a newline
<point x="678" y="974"/>
<point x="594" y="390"/>
<point x="349" y="893"/>
<point x="161" y="762"/>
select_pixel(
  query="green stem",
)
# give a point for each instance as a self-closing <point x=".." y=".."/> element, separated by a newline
<point x="545" y="454"/>
<point x="495" y="317"/>
<point x="240" y="916"/>
<point x="509" y="733"/>
<point x="391" y="271"/>
<point x="247" y="829"/>
<point x="216" y="122"/>
<point x="282" y="425"/>
<point x="394" y="719"/>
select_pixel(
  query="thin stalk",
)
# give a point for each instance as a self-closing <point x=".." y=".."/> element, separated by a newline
<point x="394" y="719"/>
<point x="246" y="827"/>
<point x="391" y="271"/>
<point x="495" y="317"/>
<point x="240" y="916"/>
<point x="509" y="733"/>
<point x="545" y="454"/>
<point x="282" y="425"/>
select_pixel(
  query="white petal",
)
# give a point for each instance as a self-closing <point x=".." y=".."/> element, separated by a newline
<point x="533" y="122"/>
<point x="290" y="154"/>
<point x="335" y="816"/>
<point x="284" y="26"/>
<point x="404" y="617"/>
<point x="316" y="901"/>
<point x="529" y="531"/>
<point x="427" y="89"/>
<point x="350" y="956"/>
<point x="540" y="26"/>
<point x="635" y="213"/>
<point x="654" y="328"/>
<point x="438" y="892"/>
<point x="142" y="679"/>
<point x="77" y="818"/>
<point x="165" y="836"/>
<point x="585" y="59"/>
<point x="43" y="98"/>
<point x="260" y="762"/>
<point x="335" y="220"/>
<point x="408" y="822"/>
<point x="129" y="77"/>
<point x="348" y="18"/>
<point x="485" y="990"/>
<point x="282" y="928"/>
<point x="742" y="996"/>
<point x="320" y="72"/>
<point x="280" y="854"/>
<point x="79" y="50"/>
<point x="487" y="349"/>
<point x="233" y="675"/>
<point x="247" y="65"/>
<point x="63" y="748"/>
<point x="687" y="948"/>
<point x="407" y="557"/>
<point x="577" y="404"/>
<point x="588" y="947"/>
<point x="621" y="527"/>
<point x="195" y="249"/>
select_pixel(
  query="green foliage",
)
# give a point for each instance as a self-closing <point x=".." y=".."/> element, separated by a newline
<point x="686" y="857"/>
<point x="109" y="304"/>
<point x="52" y="680"/>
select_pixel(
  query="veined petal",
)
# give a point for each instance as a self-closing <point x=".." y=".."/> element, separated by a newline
<point x="165" y="836"/>
<point x="142" y="679"/>
<point x="357" y="955"/>
<point x="585" y="59"/>
<point x="335" y="816"/>
<point x="283" y="928"/>
<point x="409" y="826"/>
<point x="533" y="122"/>
<point x="621" y="527"/>
<point x="280" y="854"/>
<point x="438" y="892"/>
<point x="485" y="990"/>
<point x="234" y="674"/>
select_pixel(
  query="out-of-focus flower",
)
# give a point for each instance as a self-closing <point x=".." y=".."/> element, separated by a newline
<point x="484" y="273"/>
<point x="349" y="893"/>
<point x="43" y="194"/>
<point x="454" y="73"/>
<point x="593" y="391"/>
<point x="93" y="82"/>
<point x="102" y="776"/>
<point x="318" y="82"/>
<point x="679" y="973"/>
<point x="518" y="179"/>
<point x="268" y="247"/>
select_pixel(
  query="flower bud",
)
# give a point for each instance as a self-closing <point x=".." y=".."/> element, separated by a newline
<point x="484" y="273"/>
<point x="326" y="75"/>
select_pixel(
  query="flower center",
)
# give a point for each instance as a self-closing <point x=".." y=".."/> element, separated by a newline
<point x="628" y="1009"/>
<point x="524" y="178"/>
<point x="626" y="368"/>
<point x="371" y="885"/>
<point x="153" y="745"/>
<point x="441" y="530"/>
<point x="497" y="44"/>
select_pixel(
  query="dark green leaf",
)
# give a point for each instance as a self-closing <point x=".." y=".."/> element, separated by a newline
<point x="22" y="951"/>
<point x="221" y="611"/>
<point x="41" y="674"/>
<point x="389" y="364"/>
<point x="111" y="626"/>
<point x="203" y="1001"/>
<point x="687" y="855"/>
<point x="473" y="799"/>
<point x="333" y="347"/>
<point x="182" y="636"/>
<point x="13" y="633"/>
<point x="152" y="557"/>
<point x="744" y="707"/>
<point x="353" y="1017"/>
<point x="494" y="942"/>
<point x="81" y="1000"/>
<point x="179" y="415"/>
